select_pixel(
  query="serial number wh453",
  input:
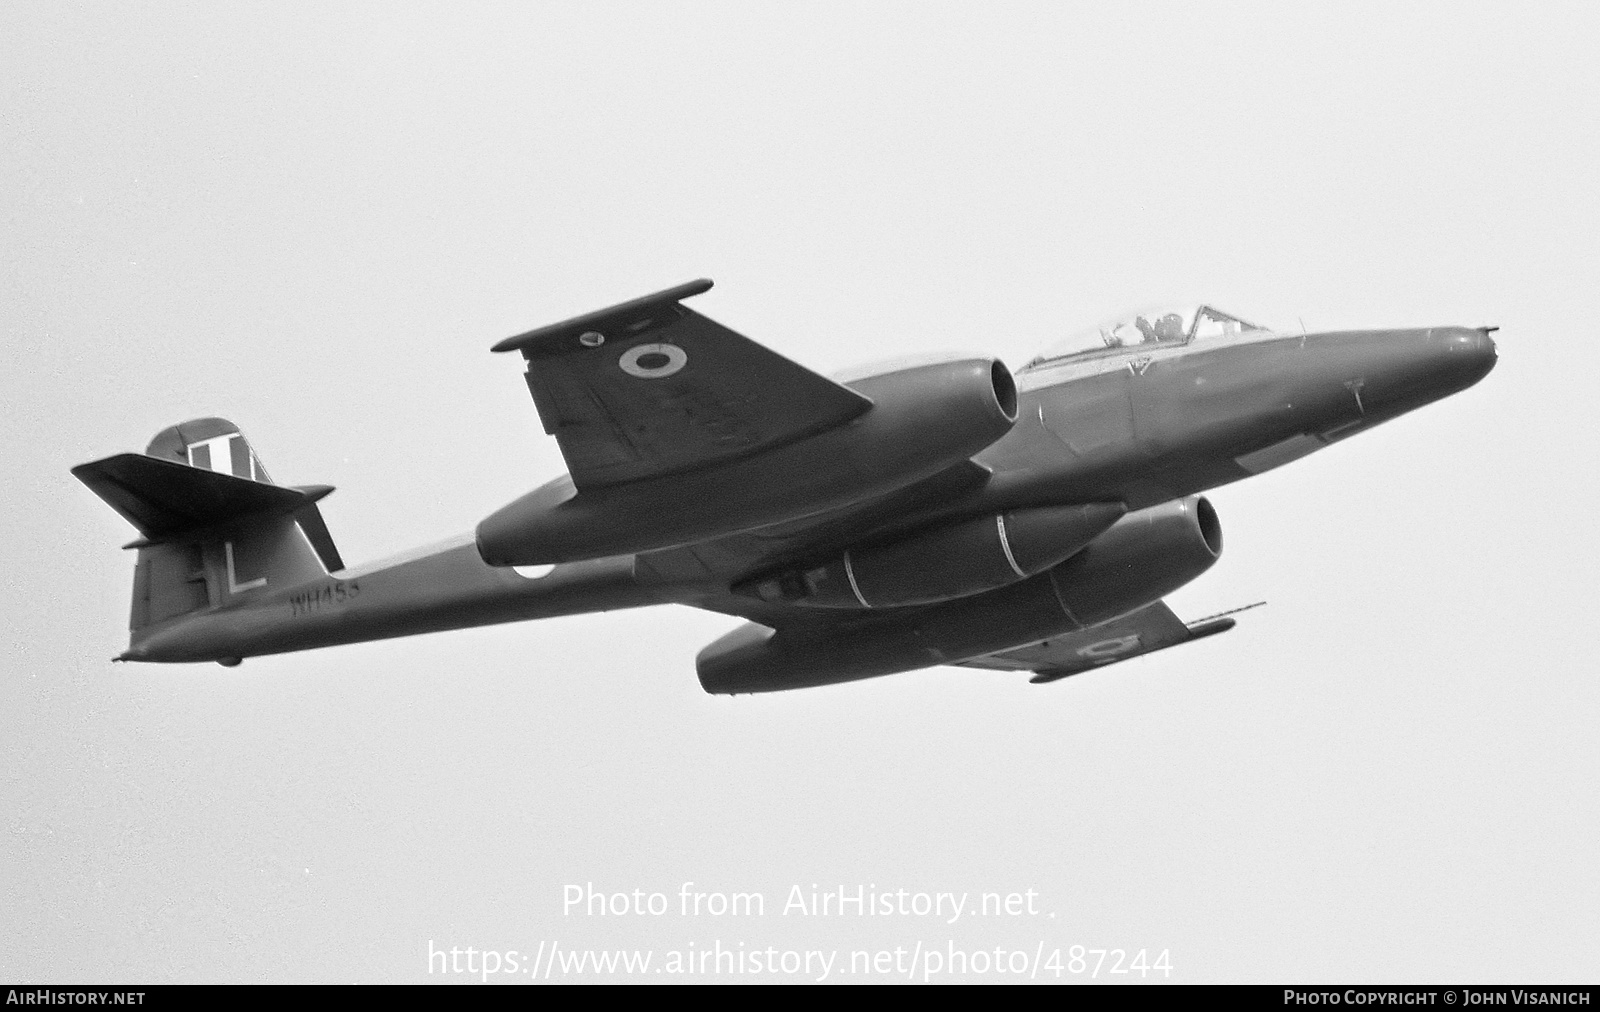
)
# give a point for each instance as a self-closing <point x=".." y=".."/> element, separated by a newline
<point x="327" y="596"/>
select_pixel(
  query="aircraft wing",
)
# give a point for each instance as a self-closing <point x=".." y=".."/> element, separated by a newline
<point x="649" y="388"/>
<point x="1147" y="630"/>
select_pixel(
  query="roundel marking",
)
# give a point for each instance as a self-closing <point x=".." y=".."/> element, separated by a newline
<point x="1107" y="649"/>
<point x="653" y="361"/>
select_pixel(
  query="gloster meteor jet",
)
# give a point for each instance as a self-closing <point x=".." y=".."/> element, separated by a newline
<point x="949" y="512"/>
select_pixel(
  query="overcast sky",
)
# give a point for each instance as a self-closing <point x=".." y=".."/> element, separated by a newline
<point x="314" y="220"/>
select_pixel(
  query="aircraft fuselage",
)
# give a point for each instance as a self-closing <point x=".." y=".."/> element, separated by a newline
<point x="1134" y="425"/>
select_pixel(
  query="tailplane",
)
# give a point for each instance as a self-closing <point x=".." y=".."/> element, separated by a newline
<point x="213" y="527"/>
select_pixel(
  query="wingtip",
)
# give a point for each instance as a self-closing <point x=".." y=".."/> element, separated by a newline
<point x="1049" y="675"/>
<point x="600" y="317"/>
<point x="314" y="493"/>
<point x="1200" y="630"/>
<point x="1224" y="614"/>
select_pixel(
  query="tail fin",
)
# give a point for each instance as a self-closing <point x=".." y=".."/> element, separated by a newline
<point x="213" y="526"/>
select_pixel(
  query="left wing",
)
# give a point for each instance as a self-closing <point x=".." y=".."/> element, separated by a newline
<point x="650" y="387"/>
<point x="1147" y="630"/>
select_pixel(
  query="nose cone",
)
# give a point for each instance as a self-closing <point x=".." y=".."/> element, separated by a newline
<point x="1445" y="361"/>
<point x="1467" y="352"/>
<point x="1390" y="372"/>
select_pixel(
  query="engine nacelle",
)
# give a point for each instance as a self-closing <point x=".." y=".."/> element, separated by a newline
<point x="922" y="420"/>
<point x="1144" y="557"/>
<point x="1140" y="559"/>
<point x="953" y="560"/>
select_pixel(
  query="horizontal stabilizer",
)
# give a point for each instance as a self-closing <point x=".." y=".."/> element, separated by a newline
<point x="163" y="498"/>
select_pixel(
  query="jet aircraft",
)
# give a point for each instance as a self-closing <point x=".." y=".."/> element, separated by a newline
<point x="949" y="512"/>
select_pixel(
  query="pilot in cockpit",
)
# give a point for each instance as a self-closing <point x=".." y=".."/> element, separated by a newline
<point x="1168" y="328"/>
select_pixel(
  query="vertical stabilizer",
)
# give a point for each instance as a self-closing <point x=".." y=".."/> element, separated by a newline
<point x="215" y="530"/>
<point x="211" y="444"/>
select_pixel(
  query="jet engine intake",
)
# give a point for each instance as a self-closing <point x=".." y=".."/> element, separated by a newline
<point x="1141" y="559"/>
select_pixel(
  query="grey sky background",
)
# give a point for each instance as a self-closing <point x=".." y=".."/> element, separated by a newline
<point x="315" y="219"/>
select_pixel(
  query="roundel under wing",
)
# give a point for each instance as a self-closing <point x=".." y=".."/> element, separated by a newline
<point x="653" y="361"/>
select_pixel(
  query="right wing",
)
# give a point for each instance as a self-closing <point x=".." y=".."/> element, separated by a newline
<point x="1147" y="630"/>
<point x="649" y="388"/>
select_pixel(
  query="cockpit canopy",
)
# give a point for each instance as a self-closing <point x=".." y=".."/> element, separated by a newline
<point x="1162" y="327"/>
